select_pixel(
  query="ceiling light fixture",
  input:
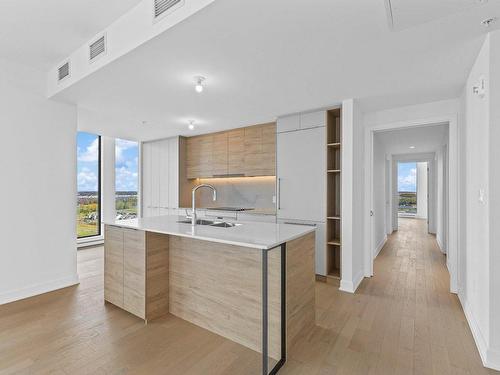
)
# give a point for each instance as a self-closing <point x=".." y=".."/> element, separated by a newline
<point x="199" y="83"/>
<point x="191" y="125"/>
<point x="412" y="147"/>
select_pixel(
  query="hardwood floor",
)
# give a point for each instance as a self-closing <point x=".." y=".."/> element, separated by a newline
<point x="401" y="321"/>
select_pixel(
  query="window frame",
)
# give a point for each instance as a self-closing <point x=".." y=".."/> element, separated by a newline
<point x="99" y="194"/>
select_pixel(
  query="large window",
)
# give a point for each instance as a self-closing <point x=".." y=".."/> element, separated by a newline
<point x="407" y="189"/>
<point x="88" y="182"/>
<point x="126" y="179"/>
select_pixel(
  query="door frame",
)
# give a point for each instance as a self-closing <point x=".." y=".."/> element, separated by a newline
<point x="453" y="211"/>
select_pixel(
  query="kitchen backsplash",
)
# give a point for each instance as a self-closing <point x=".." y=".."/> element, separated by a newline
<point x="246" y="192"/>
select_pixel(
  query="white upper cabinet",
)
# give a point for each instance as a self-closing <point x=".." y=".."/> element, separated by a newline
<point x="288" y="123"/>
<point x="301" y="121"/>
<point x="312" y="119"/>
<point x="301" y="172"/>
<point x="160" y="177"/>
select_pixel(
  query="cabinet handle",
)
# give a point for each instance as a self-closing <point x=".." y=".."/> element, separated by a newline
<point x="304" y="224"/>
<point x="279" y="193"/>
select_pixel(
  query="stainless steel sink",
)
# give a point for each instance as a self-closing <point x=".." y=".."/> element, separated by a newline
<point x="224" y="225"/>
<point x="198" y="222"/>
<point x="219" y="224"/>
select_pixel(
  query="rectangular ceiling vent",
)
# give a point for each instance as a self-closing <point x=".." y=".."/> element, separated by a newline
<point x="63" y="71"/>
<point x="97" y="48"/>
<point x="164" y="7"/>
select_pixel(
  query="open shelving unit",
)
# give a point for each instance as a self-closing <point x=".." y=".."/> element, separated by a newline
<point x="333" y="187"/>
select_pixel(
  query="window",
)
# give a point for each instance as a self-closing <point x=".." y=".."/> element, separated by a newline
<point x="126" y="179"/>
<point x="88" y="216"/>
<point x="407" y="189"/>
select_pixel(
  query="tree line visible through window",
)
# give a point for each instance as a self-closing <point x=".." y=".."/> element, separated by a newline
<point x="89" y="182"/>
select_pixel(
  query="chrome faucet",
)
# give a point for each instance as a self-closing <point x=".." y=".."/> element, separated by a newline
<point x="193" y="195"/>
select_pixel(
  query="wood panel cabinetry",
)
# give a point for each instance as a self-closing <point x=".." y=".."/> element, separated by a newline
<point x="136" y="271"/>
<point x="236" y="152"/>
<point x="199" y="156"/>
<point x="248" y="151"/>
<point x="260" y="150"/>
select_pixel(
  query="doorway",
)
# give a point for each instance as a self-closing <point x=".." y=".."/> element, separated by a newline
<point x="408" y="169"/>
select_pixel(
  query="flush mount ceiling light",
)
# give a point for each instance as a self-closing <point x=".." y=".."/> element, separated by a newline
<point x="489" y="21"/>
<point x="199" y="83"/>
<point x="412" y="147"/>
<point x="191" y="125"/>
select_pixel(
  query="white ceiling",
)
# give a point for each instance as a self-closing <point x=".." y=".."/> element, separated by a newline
<point x="425" y="139"/>
<point x="40" y="33"/>
<point x="267" y="58"/>
<point x="407" y="13"/>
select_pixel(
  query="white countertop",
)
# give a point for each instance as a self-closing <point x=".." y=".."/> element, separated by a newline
<point x="249" y="234"/>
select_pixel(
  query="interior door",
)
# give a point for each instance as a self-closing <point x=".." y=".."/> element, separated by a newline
<point x="301" y="162"/>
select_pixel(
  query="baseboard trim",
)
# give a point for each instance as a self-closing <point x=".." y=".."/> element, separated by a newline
<point x="489" y="357"/>
<point x="36" y="289"/>
<point x="440" y="244"/>
<point x="380" y="246"/>
<point x="350" y="286"/>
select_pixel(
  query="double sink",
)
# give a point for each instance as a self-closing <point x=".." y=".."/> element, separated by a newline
<point x="219" y="224"/>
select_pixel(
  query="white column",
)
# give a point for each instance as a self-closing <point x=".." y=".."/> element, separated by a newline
<point x="108" y="179"/>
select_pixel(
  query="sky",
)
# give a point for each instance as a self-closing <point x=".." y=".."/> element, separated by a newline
<point x="126" y="163"/>
<point x="407" y="177"/>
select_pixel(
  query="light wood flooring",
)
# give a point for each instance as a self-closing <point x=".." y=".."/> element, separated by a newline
<point x="401" y="321"/>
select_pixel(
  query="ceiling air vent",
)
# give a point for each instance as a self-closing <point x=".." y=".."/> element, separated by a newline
<point x="163" y="7"/>
<point x="63" y="71"/>
<point x="97" y="48"/>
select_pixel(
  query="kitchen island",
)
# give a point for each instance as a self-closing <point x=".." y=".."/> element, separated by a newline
<point x="252" y="283"/>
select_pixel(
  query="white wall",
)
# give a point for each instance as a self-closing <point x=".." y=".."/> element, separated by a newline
<point x="38" y="159"/>
<point x="352" y="196"/>
<point x="480" y="262"/>
<point x="422" y="190"/>
<point x="379" y="195"/>
<point x="442" y="197"/>
<point x="494" y="188"/>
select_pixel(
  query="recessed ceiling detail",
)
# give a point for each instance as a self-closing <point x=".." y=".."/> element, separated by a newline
<point x="402" y="14"/>
<point x="163" y="7"/>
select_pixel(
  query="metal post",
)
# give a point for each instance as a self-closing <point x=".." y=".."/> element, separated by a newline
<point x="265" y="321"/>
<point x="265" y="327"/>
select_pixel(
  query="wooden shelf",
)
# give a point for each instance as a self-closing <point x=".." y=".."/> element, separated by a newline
<point x="334" y="199"/>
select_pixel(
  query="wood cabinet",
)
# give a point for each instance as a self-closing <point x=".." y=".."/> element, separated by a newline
<point x="113" y="266"/>
<point x="220" y="154"/>
<point x="136" y="271"/>
<point x="160" y="177"/>
<point x="236" y="152"/>
<point x="199" y="156"/>
<point x="248" y="151"/>
<point x="260" y="150"/>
